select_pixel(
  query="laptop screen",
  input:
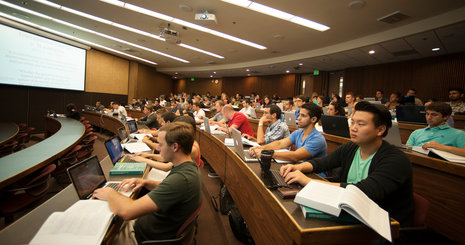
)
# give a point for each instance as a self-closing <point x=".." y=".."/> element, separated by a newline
<point x="87" y="176"/>
<point x="123" y="134"/>
<point x="114" y="149"/>
<point x="132" y="126"/>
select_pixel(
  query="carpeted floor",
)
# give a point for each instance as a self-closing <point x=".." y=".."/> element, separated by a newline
<point x="213" y="227"/>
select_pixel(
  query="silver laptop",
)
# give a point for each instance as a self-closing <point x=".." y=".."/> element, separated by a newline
<point x="289" y="116"/>
<point x="239" y="147"/>
<point x="88" y="176"/>
<point x="124" y="137"/>
<point x="393" y="136"/>
<point x="257" y="105"/>
<point x="375" y="102"/>
<point x="206" y="124"/>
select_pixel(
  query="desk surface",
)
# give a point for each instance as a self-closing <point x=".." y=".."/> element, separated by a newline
<point x="8" y="131"/>
<point x="28" y="160"/>
<point x="271" y="219"/>
<point x="23" y="230"/>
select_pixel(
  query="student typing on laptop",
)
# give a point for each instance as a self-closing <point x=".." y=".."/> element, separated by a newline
<point x="309" y="143"/>
<point x="159" y="214"/>
<point x="439" y="135"/>
<point x="379" y="169"/>
<point x="236" y="120"/>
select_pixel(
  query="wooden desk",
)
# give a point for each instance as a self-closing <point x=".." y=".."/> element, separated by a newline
<point x="270" y="219"/>
<point x="459" y="121"/>
<point x="23" y="230"/>
<point x="135" y="113"/>
<point x="104" y="121"/>
<point x="7" y="132"/>
<point x="441" y="182"/>
<point x="16" y="166"/>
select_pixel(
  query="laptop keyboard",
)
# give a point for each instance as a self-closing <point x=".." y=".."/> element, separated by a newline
<point x="278" y="179"/>
<point x="113" y="186"/>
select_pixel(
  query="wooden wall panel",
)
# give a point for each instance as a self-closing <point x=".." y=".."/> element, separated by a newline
<point x="15" y="101"/>
<point x="200" y="85"/>
<point x="333" y="83"/>
<point x="106" y="73"/>
<point x="432" y="77"/>
<point x="151" y="83"/>
<point x="283" y="85"/>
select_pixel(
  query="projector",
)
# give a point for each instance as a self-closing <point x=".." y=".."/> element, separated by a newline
<point x="206" y="18"/>
<point x="171" y="36"/>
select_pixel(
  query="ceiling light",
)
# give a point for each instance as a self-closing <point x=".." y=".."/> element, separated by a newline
<point x="72" y="37"/>
<point x="371" y="51"/>
<point x="181" y="22"/>
<point x="301" y="64"/>
<point x="278" y="14"/>
<point x="248" y="74"/>
<point x="247" y="69"/>
<point x="287" y="71"/>
<point x="211" y="75"/>
<point x="435" y="49"/>
<point x="127" y="28"/>
<point x="214" y="72"/>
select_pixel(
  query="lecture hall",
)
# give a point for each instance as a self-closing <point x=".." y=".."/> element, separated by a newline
<point x="232" y="122"/>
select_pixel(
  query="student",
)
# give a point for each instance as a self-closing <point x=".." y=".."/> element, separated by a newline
<point x="413" y="92"/>
<point x="309" y="143"/>
<point x="350" y="100"/>
<point x="439" y="135"/>
<point x="134" y="104"/>
<point x="298" y="102"/>
<point x="236" y="120"/>
<point x="117" y="108"/>
<point x="198" y="112"/>
<point x="150" y="118"/>
<point x="158" y="162"/>
<point x="335" y="109"/>
<point x="160" y="213"/>
<point x="72" y="112"/>
<point x="380" y="170"/>
<point x="248" y="110"/>
<point x="393" y="101"/>
<point x="219" y="118"/>
<point x="456" y="100"/>
<point x="276" y="129"/>
<point x="288" y="105"/>
<point x="380" y="97"/>
<point x="165" y="118"/>
<point x="99" y="106"/>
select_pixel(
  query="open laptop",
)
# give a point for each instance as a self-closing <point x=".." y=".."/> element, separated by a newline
<point x="393" y="137"/>
<point x="123" y="135"/>
<point x="132" y="126"/>
<point x="289" y="117"/>
<point x="411" y="114"/>
<point x="335" y="125"/>
<point x="239" y="147"/>
<point x="114" y="149"/>
<point x="206" y="124"/>
<point x="88" y="176"/>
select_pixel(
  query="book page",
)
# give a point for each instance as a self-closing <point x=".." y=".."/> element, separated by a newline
<point x="451" y="157"/>
<point x="139" y="136"/>
<point x="356" y="203"/>
<point x="85" y="222"/>
<point x="136" y="147"/>
<point x="419" y="149"/>
<point x="157" y="174"/>
<point x="320" y="196"/>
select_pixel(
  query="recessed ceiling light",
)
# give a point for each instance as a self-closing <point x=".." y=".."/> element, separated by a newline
<point x="287" y="71"/>
<point x="247" y="69"/>
<point x="278" y="14"/>
<point x="371" y="51"/>
<point x="185" y="8"/>
<point x="211" y="75"/>
<point x="214" y="72"/>
<point x="301" y="64"/>
<point x="176" y="73"/>
<point x="435" y="49"/>
<point x="248" y="74"/>
<point x="356" y="4"/>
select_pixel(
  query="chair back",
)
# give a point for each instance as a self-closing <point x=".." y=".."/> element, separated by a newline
<point x="421" y="208"/>
<point x="189" y="221"/>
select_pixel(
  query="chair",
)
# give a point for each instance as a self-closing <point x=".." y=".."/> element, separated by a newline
<point x="25" y="193"/>
<point x="421" y="208"/>
<point x="413" y="234"/>
<point x="186" y="233"/>
<point x="8" y="148"/>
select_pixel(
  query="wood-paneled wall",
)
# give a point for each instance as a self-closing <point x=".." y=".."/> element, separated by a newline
<point x="431" y="77"/>
<point x="199" y="85"/>
<point x="145" y="81"/>
<point x="283" y="85"/>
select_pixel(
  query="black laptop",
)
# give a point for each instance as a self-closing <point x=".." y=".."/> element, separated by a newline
<point x="335" y="125"/>
<point x="411" y="114"/>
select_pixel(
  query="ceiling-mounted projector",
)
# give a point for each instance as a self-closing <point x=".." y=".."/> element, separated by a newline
<point x="205" y="18"/>
<point x="170" y="36"/>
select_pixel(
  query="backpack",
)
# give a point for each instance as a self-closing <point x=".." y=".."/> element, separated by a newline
<point x="239" y="227"/>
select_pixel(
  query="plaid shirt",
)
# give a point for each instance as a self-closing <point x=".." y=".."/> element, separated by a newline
<point x="460" y="107"/>
<point x="276" y="131"/>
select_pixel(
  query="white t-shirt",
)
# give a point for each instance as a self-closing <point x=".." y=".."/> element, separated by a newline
<point x="122" y="111"/>
<point x="249" y="112"/>
<point x="199" y="113"/>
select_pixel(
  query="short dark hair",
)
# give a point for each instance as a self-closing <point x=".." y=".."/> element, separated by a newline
<point x="456" y="89"/>
<point x="440" y="107"/>
<point x="181" y="133"/>
<point x="274" y="109"/>
<point x="168" y="116"/>
<point x="186" y="119"/>
<point x="247" y="101"/>
<point x="351" y="94"/>
<point x="381" y="115"/>
<point x="197" y="104"/>
<point x="413" y="89"/>
<point x="381" y="91"/>
<point x="313" y="110"/>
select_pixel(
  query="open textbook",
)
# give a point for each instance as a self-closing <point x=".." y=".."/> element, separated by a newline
<point x="85" y="222"/>
<point x="332" y="199"/>
<point x="440" y="154"/>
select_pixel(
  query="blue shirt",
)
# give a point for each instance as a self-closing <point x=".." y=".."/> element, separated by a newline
<point x="297" y="113"/>
<point x="315" y="143"/>
<point x="444" y="135"/>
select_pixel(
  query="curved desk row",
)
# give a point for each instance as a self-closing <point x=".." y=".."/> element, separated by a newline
<point x="104" y="121"/>
<point x="271" y="219"/>
<point x="7" y="132"/>
<point x="67" y="133"/>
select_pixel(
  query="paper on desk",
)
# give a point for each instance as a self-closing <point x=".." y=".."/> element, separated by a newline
<point x="449" y="156"/>
<point x="136" y="147"/>
<point x="139" y="136"/>
<point x="157" y="174"/>
<point x="248" y="142"/>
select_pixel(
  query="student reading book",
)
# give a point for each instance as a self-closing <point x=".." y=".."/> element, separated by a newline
<point x="378" y="169"/>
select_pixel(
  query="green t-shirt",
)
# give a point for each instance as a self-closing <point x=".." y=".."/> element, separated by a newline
<point x="177" y="197"/>
<point x="359" y="168"/>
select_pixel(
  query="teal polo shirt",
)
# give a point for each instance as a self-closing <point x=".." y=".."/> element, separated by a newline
<point x="442" y="134"/>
